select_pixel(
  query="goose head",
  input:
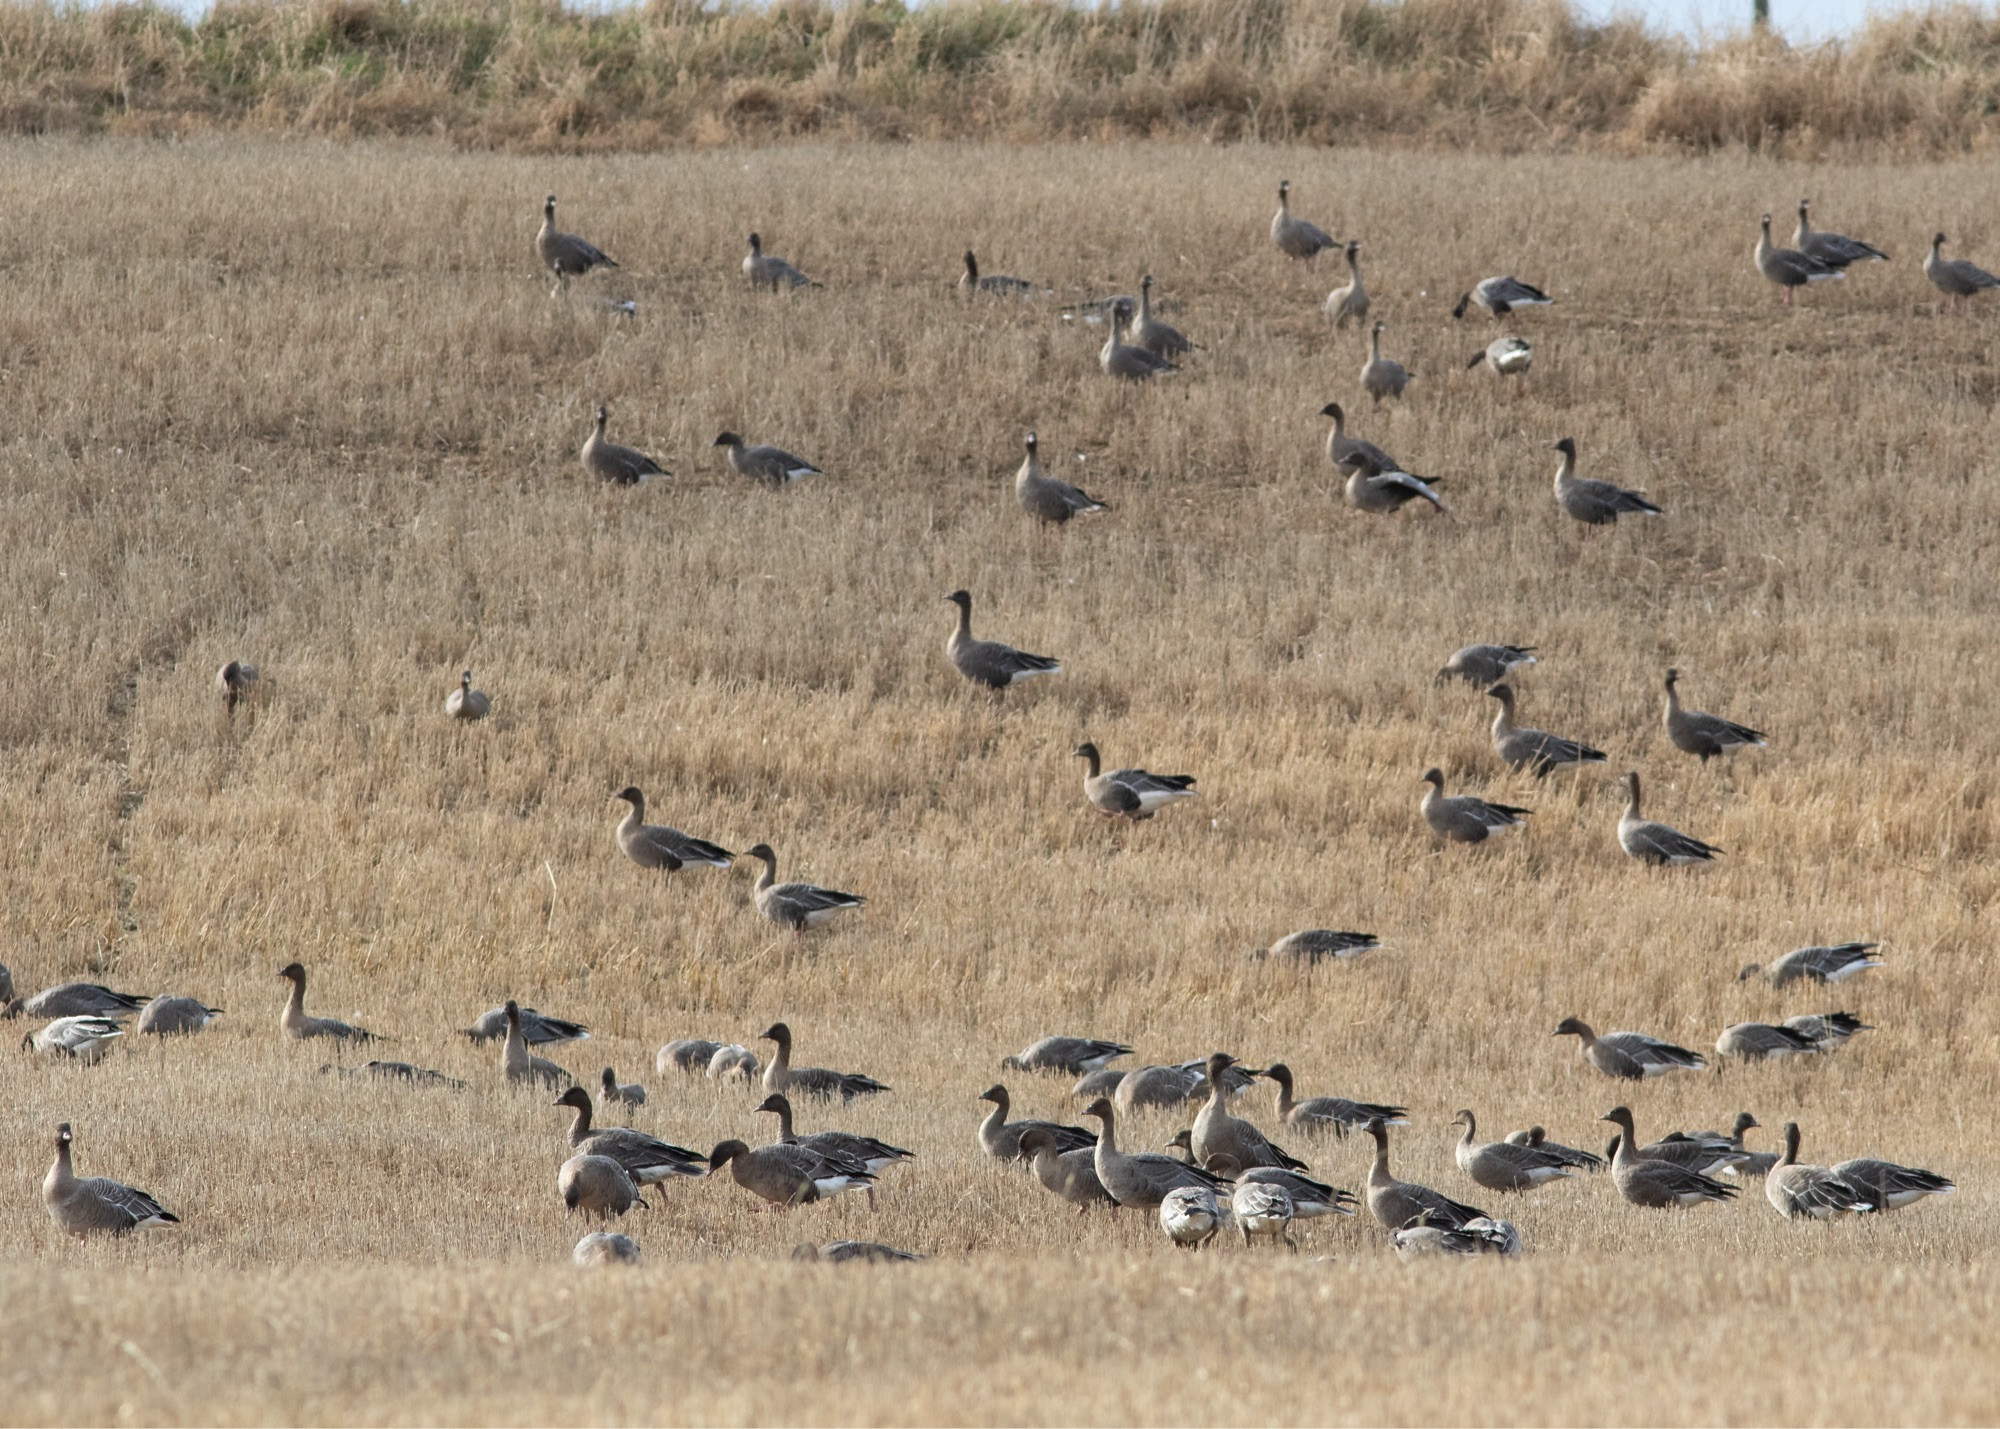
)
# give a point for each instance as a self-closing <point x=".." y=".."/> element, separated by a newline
<point x="756" y="245"/>
<point x="1101" y="1109"/>
<point x="1567" y="446"/>
<point x="777" y="1032"/>
<point x="293" y="972"/>
<point x="1034" y="1141"/>
<point x="1332" y="409"/>
<point x="1673" y="676"/>
<point x="603" y="415"/>
<point x="1032" y="443"/>
<point x="1574" y="1027"/>
<point x="549" y="208"/>
<point x="1621" y="1117"/>
<point x="465" y="679"/>
<point x="1435" y="778"/>
<point x="962" y="599"/>
<point x="764" y="852"/>
<point x="1937" y="242"/>
<point x="724" y="1153"/>
<point x="1502" y="692"/>
<point x="1279" y="1073"/>
<point x="575" y="1097"/>
<point x="776" y="1102"/>
<point x="728" y="439"/>
<point x="631" y="795"/>
<point x="971" y="266"/>
<point x="997" y="1094"/>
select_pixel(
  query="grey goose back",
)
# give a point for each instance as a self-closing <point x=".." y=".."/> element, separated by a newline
<point x="1703" y="735"/>
<point x="597" y="1186"/>
<point x="765" y="271"/>
<point x="77" y="999"/>
<point x="1500" y="296"/>
<point x="782" y="1076"/>
<point x="999" y="1137"/>
<point x="1787" y="267"/>
<point x="1504" y="1165"/>
<point x="294" y="1022"/>
<point x="1131" y="794"/>
<point x="1631" y="1055"/>
<point x="1836" y="962"/>
<point x="1313" y="946"/>
<point x="1827" y="1030"/>
<point x="1335" y="1114"/>
<point x="1890" y="1187"/>
<point x="81" y="1039"/>
<point x="1538" y="1138"/>
<point x="94" y="1205"/>
<point x="176" y="1016"/>
<point x="854" y="1252"/>
<point x="1380" y="376"/>
<point x="1714" y="1153"/>
<point x="1191" y="1215"/>
<point x="1484" y="665"/>
<point x="1481" y="1236"/>
<point x="518" y="1064"/>
<point x="1653" y="843"/>
<point x="1293" y="236"/>
<point x="234" y="682"/>
<point x="661" y="847"/>
<point x="465" y="702"/>
<point x="1142" y="1180"/>
<point x="1165" y="1087"/>
<point x="1071" y="1175"/>
<point x="1504" y="357"/>
<point x="1218" y="1133"/>
<point x="1956" y="278"/>
<point x="1049" y="498"/>
<point x="786" y="1175"/>
<point x="988" y="662"/>
<point x="1262" y="1209"/>
<point x="605" y="1248"/>
<point x="1654" y="1184"/>
<point x="1380" y="490"/>
<point x="971" y="282"/>
<point x="1594" y="502"/>
<point x="1395" y="1204"/>
<point x="538" y="1029"/>
<point x="1797" y="1190"/>
<point x="1128" y="360"/>
<point x="564" y="254"/>
<point x="773" y="466"/>
<point x="1465" y="818"/>
<point x="797" y="906"/>
<point x="1348" y="303"/>
<point x="1760" y="1041"/>
<point x="623" y="1093"/>
<point x="648" y="1160"/>
<point x="608" y="461"/>
<point x="1104" y="1082"/>
<point x="1311" y="1199"/>
<point x="1833" y="249"/>
<point x="1149" y="332"/>
<point x="1071" y="1056"/>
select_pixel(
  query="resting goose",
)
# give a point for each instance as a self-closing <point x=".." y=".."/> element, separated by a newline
<point x="1594" y="502"/>
<point x="1001" y="1138"/>
<point x="1335" y="1114"/>
<point x="1834" y="963"/>
<point x="608" y="461"/>
<point x="1827" y="1030"/>
<point x="1484" y="665"/>
<point x="465" y="702"/>
<point x="1957" y="279"/>
<point x="971" y="284"/>
<point x="733" y="1062"/>
<point x="564" y="254"/>
<point x="1654" y="843"/>
<point x="867" y="1152"/>
<point x="786" y="1175"/>
<point x="605" y="1248"/>
<point x="1787" y="267"/>
<point x="625" y="1094"/>
<point x="1833" y="249"/>
<point x="1294" y="237"/>
<point x="1504" y="357"/>
<point x="1818" y="1193"/>
<point x="1128" y="360"/>
<point x="1131" y="794"/>
<point x="773" y="466"/>
<point x="1481" y="1236"/>
<point x="1632" y="1055"/>
<point x="1071" y="1056"/>
<point x="78" y="999"/>
<point x="1890" y="1187"/>
<point x="1313" y="946"/>
<point x="1536" y="1137"/>
<point x="685" y="1054"/>
<point x="93" y="1205"/>
<point x="1703" y="735"/>
<point x="988" y="662"/>
<point x="1760" y="1041"/>
<point x="85" y="1039"/>
<point x="797" y="906"/>
<point x="1140" y="1181"/>
<point x="647" y="1159"/>
<point x="176" y="1016"/>
<point x="1380" y="490"/>
<point x="538" y="1028"/>
<point x="597" y="1186"/>
<point x="518" y="1064"/>
<point x="1536" y="750"/>
<point x="1395" y="1204"/>
<point x="1071" y="1175"/>
<point x="1503" y="1165"/>
<point x="657" y="846"/>
<point x="1217" y="1133"/>
<point x="1463" y="818"/>
<point x="1045" y="497"/>
<point x="1381" y="377"/>
<point x="1500" y="296"/>
<point x="233" y="682"/>
<point x="764" y="271"/>
<point x="1349" y="302"/>
<point x="1190" y="1215"/>
<point x="781" y="1076"/>
<point x="296" y="1025"/>
<point x="1150" y="333"/>
<point x="1654" y="1184"/>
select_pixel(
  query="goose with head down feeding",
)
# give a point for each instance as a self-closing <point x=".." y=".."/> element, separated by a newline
<point x="1833" y="963"/>
<point x="1484" y="665"/>
<point x="1072" y="1056"/>
<point x="1500" y="296"/>
<point x="1504" y="357"/>
<point x="1191" y="1215"/>
<point x="82" y="1039"/>
<point x="1889" y="1187"/>
<point x="234" y="683"/>
<point x="176" y="1016"/>
<point x="1380" y="490"/>
<point x="1313" y="946"/>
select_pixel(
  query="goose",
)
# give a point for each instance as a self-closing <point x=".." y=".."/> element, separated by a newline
<point x="1504" y="357"/>
<point x="733" y="1062"/>
<point x="786" y="1175"/>
<point x="1742" y="1162"/>
<point x="648" y="1160"/>
<point x="1145" y="1088"/>
<point x="1465" y="818"/>
<point x="1703" y="735"/>
<point x="6" y="990"/>
<point x="86" y="1039"/>
<point x="627" y="1094"/>
<point x="1654" y="843"/>
<point x="684" y="1054"/>
<point x="608" y="461"/>
<point x="78" y="999"/>
<point x="1395" y="1204"/>
<point x="297" y="1026"/>
<point x="1834" y="963"/>
<point x="1294" y="237"/>
<point x="400" y="1072"/>
<point x="1818" y="1193"/>
<point x="1480" y="1236"/>
<point x="620" y="307"/>
<point x="91" y="1205"/>
<point x="1827" y="1030"/>
<point x="1190" y="1215"/>
<point x="605" y="1248"/>
<point x="1710" y="1157"/>
<point x="845" y="1252"/>
<point x="1143" y="1180"/>
<point x="1381" y="377"/>
<point x="1104" y="1082"/>
<point x="1261" y="1209"/>
<point x="1484" y="665"/>
<point x="1071" y="1175"/>
<point x="1313" y="946"/>
<point x="1335" y="1114"/>
<point x="1890" y="1187"/>
<point x="517" y="1064"/>
<point x="1594" y="502"/>
<point x="176" y="1016"/>
<point x="233" y="682"/>
<point x="1131" y="794"/>
<point x="1380" y="490"/>
<point x="1352" y="454"/>
<point x="1068" y="1055"/>
<point x="538" y="1028"/>
<point x="564" y="254"/>
<point x="764" y="271"/>
<point x="1522" y="747"/>
<point x="1045" y="497"/>
<point x="838" y="1148"/>
<point x="1502" y="1165"/>
<point x="1631" y="1055"/>
<point x="782" y="1076"/>
<point x="1832" y="249"/>
<point x="1350" y="301"/>
<point x="1310" y="1199"/>
<point x="1128" y="360"/>
<point x="1656" y="1185"/>
<point x="1760" y="1041"/>
<point x="1217" y="1133"/>
<point x="774" y="466"/>
<point x="1500" y="296"/>
<point x="1001" y="1138"/>
<point x="1536" y="1137"/>
<point x="971" y="284"/>
<point x="797" y="906"/>
<point x="1150" y="333"/>
<point x="1957" y="279"/>
<point x="597" y="1186"/>
<point x="465" y="702"/>
<point x="1787" y="267"/>
<point x="657" y="846"/>
<point x="988" y="662"/>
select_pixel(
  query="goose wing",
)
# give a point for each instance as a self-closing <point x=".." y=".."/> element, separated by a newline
<point x="1658" y="843"/>
<point x="811" y="898"/>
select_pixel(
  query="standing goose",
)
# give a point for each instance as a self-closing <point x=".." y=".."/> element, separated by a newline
<point x="621" y="466"/>
<point x="1485" y="665"/>
<point x="1536" y="1137"/>
<point x="1335" y="1114"/>
<point x="1832" y="249"/>
<point x="1760" y="1041"/>
<point x="176" y="1016"/>
<point x="78" y="999"/>
<point x="1818" y="1193"/>
<point x="1395" y="1204"/>
<point x="1294" y="237"/>
<point x="1190" y="1215"/>
<point x="518" y="1064"/>
<point x="233" y="682"/>
<point x="1503" y="1165"/>
<point x="971" y="284"/>
<point x="773" y="273"/>
<point x="597" y="1186"/>
<point x="1046" y="497"/>
<point x="1131" y="794"/>
<point x="1261" y="1209"/>
<point x="1071" y="1056"/>
<point x="1654" y="843"/>
<point x="465" y="702"/>
<point x="773" y="466"/>
<point x="648" y="1160"/>
<point x="1957" y="279"/>
<point x="999" y="1137"/>
<point x="1128" y="360"/>
<point x="625" y="1094"/>
<point x="786" y="1175"/>
<point x="1069" y="1174"/>
<point x="1632" y="1055"/>
<point x="1150" y="333"/>
<point x="782" y="1076"/>
<point x="85" y="1039"/>
<point x="1656" y="1185"/>
<point x="1835" y="963"/>
<point x="1381" y="377"/>
<point x="1313" y="946"/>
<point x="1536" y="750"/>
<point x="1351" y="301"/>
<point x="1827" y="1030"/>
<point x="1310" y="1199"/>
<point x="1144" y="1180"/>
<point x="1500" y="296"/>
<point x="564" y="254"/>
<point x="1742" y="1160"/>
<point x="296" y="1025"/>
<point x="1787" y="267"/>
<point x="1217" y="1133"/>
<point x="1594" y="502"/>
<point x="1504" y="357"/>
<point x="1891" y="1187"/>
<point x="92" y="1205"/>
<point x="657" y="846"/>
<point x="837" y="1147"/>
<point x="797" y="906"/>
<point x="1703" y="735"/>
<point x="988" y="662"/>
<point x="537" y="1027"/>
<point x="1463" y="818"/>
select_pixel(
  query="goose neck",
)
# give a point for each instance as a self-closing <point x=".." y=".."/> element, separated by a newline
<point x="579" y="1126"/>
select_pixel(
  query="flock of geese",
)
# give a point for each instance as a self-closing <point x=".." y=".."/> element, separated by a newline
<point x="1222" y="1170"/>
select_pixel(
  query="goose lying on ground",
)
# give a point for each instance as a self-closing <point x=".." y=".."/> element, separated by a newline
<point x="765" y="271"/>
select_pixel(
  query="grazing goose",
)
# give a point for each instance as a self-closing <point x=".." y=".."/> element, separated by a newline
<point x="1395" y="1204"/>
<point x="564" y="254"/>
<point x="1632" y="1055"/>
<point x="538" y="1028"/>
<point x="684" y="1054"/>
<point x="1069" y="1055"/>
<point x="1001" y="1138"/>
<point x="1818" y="1193"/>
<point x="1760" y="1041"/>
<point x="988" y="662"/>
<point x="1294" y="237"/>
<point x="1654" y="1184"/>
<point x="734" y="1062"/>
<point x="1464" y="818"/>
<point x="1957" y="279"/>
<point x="764" y="271"/>
<point x="1787" y="267"/>
<point x="836" y="1146"/>
<point x="971" y="284"/>
<point x="78" y="999"/>
<point x="1261" y="1209"/>
<point x="1128" y="360"/>
<point x="1890" y="1187"/>
<point x="847" y="1252"/>
<point x="786" y="1175"/>
<point x="1152" y="334"/>
<point x="1217" y="1133"/>
<point x="1594" y="502"/>
<point x="597" y="1186"/>
<point x="176" y="1016"/>
<point x="86" y="1039"/>
<point x="647" y="1159"/>
<point x="1190" y="1215"/>
<point x="605" y="1248"/>
<point x="1310" y="1199"/>
<point x="1504" y="357"/>
<point x="1380" y="377"/>
<point x="1480" y="1236"/>
<point x="1536" y="750"/>
<point x="608" y="461"/>
<point x="518" y="1064"/>
<point x="1351" y="454"/>
<point x="1835" y="963"/>
<point x="1071" y="1175"/>
<point x="1703" y="735"/>
<point x="657" y="846"/>
<point x="774" y="466"/>
<point x="1500" y="296"/>
<point x="297" y="1026"/>
<point x="1313" y="946"/>
<point x="1335" y="1114"/>
<point x="233" y="682"/>
<point x="1131" y="794"/>
<point x="782" y="1076"/>
<point x="1045" y="497"/>
<point x="92" y="1205"/>
<point x="465" y="702"/>
<point x="1827" y="1030"/>
<point x="1103" y="1082"/>
<point x="1536" y="1137"/>
<point x="1653" y="843"/>
<point x="1143" y="1180"/>
<point x="1832" y="249"/>
<point x="1484" y="665"/>
<point x="1351" y="301"/>
<point x="1155" y="1088"/>
<point x="626" y="1094"/>
<point x="1503" y="1165"/>
<point x="797" y="906"/>
<point x="1380" y="490"/>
